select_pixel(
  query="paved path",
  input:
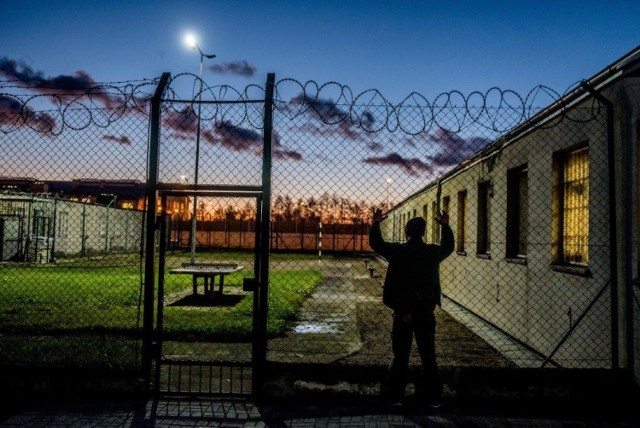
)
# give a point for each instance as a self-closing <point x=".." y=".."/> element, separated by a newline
<point x="328" y="327"/>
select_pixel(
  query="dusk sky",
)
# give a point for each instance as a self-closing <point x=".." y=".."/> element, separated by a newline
<point x="397" y="47"/>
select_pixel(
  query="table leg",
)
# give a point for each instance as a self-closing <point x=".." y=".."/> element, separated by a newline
<point x="221" y="286"/>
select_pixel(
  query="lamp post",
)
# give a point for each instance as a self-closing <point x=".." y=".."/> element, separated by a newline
<point x="193" y="43"/>
<point x="388" y="180"/>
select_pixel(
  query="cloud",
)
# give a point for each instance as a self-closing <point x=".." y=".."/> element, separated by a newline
<point x="123" y="139"/>
<point x="333" y="118"/>
<point x="282" y="154"/>
<point x="237" y="68"/>
<point x="411" y="166"/>
<point x="14" y="113"/>
<point x="183" y="122"/>
<point x="235" y="138"/>
<point x="323" y="109"/>
<point x="375" y="146"/>
<point x="79" y="83"/>
<point x="183" y="125"/>
<point x="451" y="148"/>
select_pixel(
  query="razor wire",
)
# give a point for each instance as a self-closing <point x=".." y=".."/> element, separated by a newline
<point x="333" y="103"/>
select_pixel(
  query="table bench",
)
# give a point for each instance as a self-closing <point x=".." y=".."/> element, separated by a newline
<point x="208" y="271"/>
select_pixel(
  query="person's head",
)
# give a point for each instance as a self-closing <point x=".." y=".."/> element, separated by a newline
<point x="415" y="227"/>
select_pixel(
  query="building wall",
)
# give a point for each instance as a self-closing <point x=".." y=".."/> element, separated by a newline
<point x="627" y="132"/>
<point x="533" y="302"/>
<point x="102" y="229"/>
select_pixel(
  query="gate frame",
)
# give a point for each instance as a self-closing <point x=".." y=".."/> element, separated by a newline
<point x="151" y="336"/>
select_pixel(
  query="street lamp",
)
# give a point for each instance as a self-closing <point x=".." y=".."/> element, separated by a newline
<point x="192" y="42"/>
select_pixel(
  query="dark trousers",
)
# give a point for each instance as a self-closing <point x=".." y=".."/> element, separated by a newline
<point x="423" y="327"/>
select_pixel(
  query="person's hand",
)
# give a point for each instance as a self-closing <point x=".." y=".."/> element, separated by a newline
<point x="377" y="215"/>
<point x="442" y="218"/>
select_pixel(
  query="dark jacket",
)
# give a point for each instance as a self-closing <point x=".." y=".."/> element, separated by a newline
<point x="413" y="281"/>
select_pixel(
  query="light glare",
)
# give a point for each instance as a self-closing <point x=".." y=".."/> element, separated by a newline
<point x="191" y="41"/>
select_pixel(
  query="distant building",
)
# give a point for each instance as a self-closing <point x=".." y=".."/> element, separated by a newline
<point x="124" y="194"/>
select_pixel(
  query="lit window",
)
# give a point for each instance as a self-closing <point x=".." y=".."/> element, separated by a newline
<point x="517" y="212"/>
<point x="127" y="205"/>
<point x="571" y="207"/>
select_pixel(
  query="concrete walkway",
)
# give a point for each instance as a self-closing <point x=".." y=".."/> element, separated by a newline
<point x="328" y="327"/>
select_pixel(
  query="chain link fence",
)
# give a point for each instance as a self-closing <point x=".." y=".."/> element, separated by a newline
<point x="528" y="284"/>
<point x="73" y="171"/>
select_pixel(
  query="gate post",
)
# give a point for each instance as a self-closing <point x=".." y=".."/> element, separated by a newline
<point x="261" y="295"/>
<point x="149" y="267"/>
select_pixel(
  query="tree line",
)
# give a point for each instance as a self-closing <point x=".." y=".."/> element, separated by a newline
<point x="327" y="208"/>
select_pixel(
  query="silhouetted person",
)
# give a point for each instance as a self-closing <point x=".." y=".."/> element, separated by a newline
<point x="412" y="290"/>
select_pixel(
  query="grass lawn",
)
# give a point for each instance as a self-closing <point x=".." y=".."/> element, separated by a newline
<point x="45" y="309"/>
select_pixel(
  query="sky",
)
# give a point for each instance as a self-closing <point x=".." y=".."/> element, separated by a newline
<point x="397" y="47"/>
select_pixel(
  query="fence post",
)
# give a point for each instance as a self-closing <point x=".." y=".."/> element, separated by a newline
<point x="613" y="250"/>
<point x="83" y="244"/>
<point x="262" y="292"/>
<point x="149" y="268"/>
<point x="52" y="257"/>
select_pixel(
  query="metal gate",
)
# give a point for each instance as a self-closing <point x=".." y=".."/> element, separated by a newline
<point x="211" y="292"/>
<point x="207" y="334"/>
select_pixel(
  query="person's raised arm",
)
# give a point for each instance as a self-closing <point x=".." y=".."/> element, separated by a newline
<point x="446" y="240"/>
<point x="376" y="241"/>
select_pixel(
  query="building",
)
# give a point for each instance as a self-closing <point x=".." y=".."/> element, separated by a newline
<point x="547" y="228"/>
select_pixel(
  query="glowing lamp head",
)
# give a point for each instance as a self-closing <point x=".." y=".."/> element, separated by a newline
<point x="191" y="41"/>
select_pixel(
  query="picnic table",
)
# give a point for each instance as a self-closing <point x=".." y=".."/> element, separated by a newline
<point x="208" y="271"/>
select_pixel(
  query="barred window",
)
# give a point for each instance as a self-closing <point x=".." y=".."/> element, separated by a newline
<point x="484" y="210"/>
<point x="461" y="226"/>
<point x="517" y="212"/>
<point x="40" y="223"/>
<point x="63" y="224"/>
<point x="571" y="222"/>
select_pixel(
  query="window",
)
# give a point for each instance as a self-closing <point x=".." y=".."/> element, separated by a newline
<point x="445" y="204"/>
<point x="462" y="214"/>
<point x="40" y="223"/>
<point x="484" y="209"/>
<point x="571" y="207"/>
<point x="63" y="224"/>
<point x="517" y="212"/>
